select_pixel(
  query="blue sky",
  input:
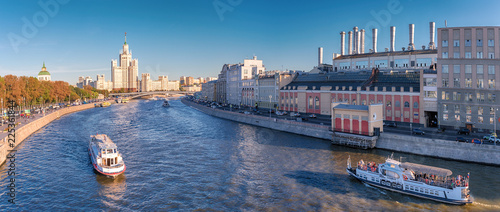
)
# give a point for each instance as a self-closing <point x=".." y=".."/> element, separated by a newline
<point x="189" y="37"/>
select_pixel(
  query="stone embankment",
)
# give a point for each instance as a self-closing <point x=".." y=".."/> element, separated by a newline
<point x="25" y="130"/>
<point x="485" y="154"/>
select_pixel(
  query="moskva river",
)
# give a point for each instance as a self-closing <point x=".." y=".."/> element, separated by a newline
<point x="179" y="159"/>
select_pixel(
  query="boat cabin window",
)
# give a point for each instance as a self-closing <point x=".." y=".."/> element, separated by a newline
<point x="110" y="151"/>
<point x="391" y="174"/>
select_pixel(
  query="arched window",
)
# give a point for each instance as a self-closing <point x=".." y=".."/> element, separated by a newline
<point x="415" y="105"/>
<point x="398" y="104"/>
<point x="353" y="101"/>
<point x="311" y="102"/>
<point x="340" y="99"/>
<point x="407" y="104"/>
<point x="371" y="101"/>
<point x="388" y="104"/>
<point x="363" y="102"/>
<point x="380" y="101"/>
<point x="316" y="103"/>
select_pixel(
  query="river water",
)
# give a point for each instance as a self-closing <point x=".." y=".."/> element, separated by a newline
<point x="180" y="159"/>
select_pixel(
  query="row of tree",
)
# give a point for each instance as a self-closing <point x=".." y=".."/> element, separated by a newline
<point x="28" y="91"/>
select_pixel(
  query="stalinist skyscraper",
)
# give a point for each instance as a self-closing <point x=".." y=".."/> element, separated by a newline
<point x="125" y="75"/>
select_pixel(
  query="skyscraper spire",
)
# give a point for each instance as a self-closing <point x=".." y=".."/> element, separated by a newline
<point x="125" y="38"/>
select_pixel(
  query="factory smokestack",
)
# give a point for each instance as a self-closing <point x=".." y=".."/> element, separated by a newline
<point x="342" y="43"/>
<point x="362" y="41"/>
<point x="349" y="43"/>
<point x="356" y="43"/>
<point x="374" y="37"/>
<point x="432" y="32"/>
<point x="393" y="38"/>
<point x="320" y="56"/>
<point x="411" y="45"/>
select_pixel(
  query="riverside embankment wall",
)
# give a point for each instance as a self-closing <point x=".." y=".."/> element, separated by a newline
<point x="301" y="128"/>
<point x="486" y="154"/>
<point x="26" y="130"/>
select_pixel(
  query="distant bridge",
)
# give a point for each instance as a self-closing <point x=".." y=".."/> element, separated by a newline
<point x="134" y="95"/>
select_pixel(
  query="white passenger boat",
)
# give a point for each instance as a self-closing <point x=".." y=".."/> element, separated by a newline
<point x="105" y="156"/>
<point x="166" y="104"/>
<point x="414" y="179"/>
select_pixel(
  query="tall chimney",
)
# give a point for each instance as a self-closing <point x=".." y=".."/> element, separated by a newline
<point x="358" y="41"/>
<point x="320" y="56"/>
<point x="374" y="37"/>
<point x="356" y="44"/>
<point x="393" y="38"/>
<point x="362" y="41"/>
<point x="349" y="43"/>
<point x="432" y="33"/>
<point x="411" y="45"/>
<point x="342" y="43"/>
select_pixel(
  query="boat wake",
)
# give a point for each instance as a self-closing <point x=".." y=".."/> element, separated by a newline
<point x="487" y="205"/>
<point x="369" y="186"/>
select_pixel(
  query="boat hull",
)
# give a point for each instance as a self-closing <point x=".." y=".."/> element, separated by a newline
<point x="101" y="170"/>
<point x="390" y="188"/>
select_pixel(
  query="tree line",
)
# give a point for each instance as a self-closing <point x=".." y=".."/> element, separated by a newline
<point x="28" y="91"/>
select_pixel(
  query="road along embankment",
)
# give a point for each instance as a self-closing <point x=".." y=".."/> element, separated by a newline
<point x="475" y="153"/>
<point x="301" y="128"/>
<point x="26" y="130"/>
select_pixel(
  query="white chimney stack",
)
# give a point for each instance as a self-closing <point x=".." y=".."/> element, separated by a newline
<point x="432" y="33"/>
<point x="411" y="45"/>
<point x="362" y="49"/>
<point x="356" y="43"/>
<point x="358" y="35"/>
<point x="374" y="37"/>
<point x="393" y="38"/>
<point x="349" y="42"/>
<point x="320" y="56"/>
<point x="342" y="43"/>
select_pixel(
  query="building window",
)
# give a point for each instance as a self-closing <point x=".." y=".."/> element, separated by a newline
<point x="467" y="43"/>
<point x="479" y="55"/>
<point x="388" y="104"/>
<point x="456" y="82"/>
<point x="468" y="55"/>
<point x="389" y="113"/>
<point x="479" y="69"/>
<point x="468" y="83"/>
<point x="479" y="42"/>
<point x="491" y="70"/>
<point x="456" y="42"/>
<point x="445" y="117"/>
<point x="456" y="69"/>
<point x="456" y="54"/>
<point x="430" y="94"/>
<point x="457" y="109"/>
<point x="491" y="42"/>
<point x="491" y="97"/>
<point x="445" y="108"/>
<point x="468" y="97"/>
<point x="407" y="104"/>
<point x="353" y="101"/>
<point x="480" y="83"/>
<point x="457" y="117"/>
<point x="468" y="109"/>
<point x="316" y="103"/>
<point x="415" y="105"/>
<point x="445" y="55"/>
<point x="480" y="111"/>
<point x="491" y="83"/>
<point x="480" y="97"/>
<point x="492" y="111"/>
<point x="444" y="69"/>
<point x="447" y="96"/>
<point x="480" y="119"/>
<point x="468" y="69"/>
<point x="398" y="104"/>
<point x="445" y="82"/>
<point x="430" y="81"/>
<point x="363" y="102"/>
<point x="379" y="101"/>
<point x="491" y="55"/>
<point x="491" y="120"/>
<point x="444" y="43"/>
<point x="468" y="118"/>
<point x="311" y="103"/>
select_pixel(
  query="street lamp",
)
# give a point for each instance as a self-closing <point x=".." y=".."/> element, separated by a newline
<point x="270" y="108"/>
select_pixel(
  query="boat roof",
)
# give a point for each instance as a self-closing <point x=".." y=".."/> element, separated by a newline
<point x="426" y="169"/>
<point x="103" y="141"/>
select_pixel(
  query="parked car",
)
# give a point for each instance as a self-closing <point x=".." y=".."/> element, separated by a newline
<point x="463" y="131"/>
<point x="418" y="131"/>
<point x="476" y="141"/>
<point x="292" y="114"/>
<point x="462" y="139"/>
<point x="391" y="124"/>
<point x="488" y="138"/>
<point x="248" y="113"/>
<point x="494" y="139"/>
<point x="313" y="116"/>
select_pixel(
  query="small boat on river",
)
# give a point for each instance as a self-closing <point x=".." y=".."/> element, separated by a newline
<point x="414" y="179"/>
<point x="105" y="156"/>
<point x="166" y="104"/>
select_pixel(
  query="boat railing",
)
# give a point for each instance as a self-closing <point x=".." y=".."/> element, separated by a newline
<point x="448" y="183"/>
<point x="113" y="166"/>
